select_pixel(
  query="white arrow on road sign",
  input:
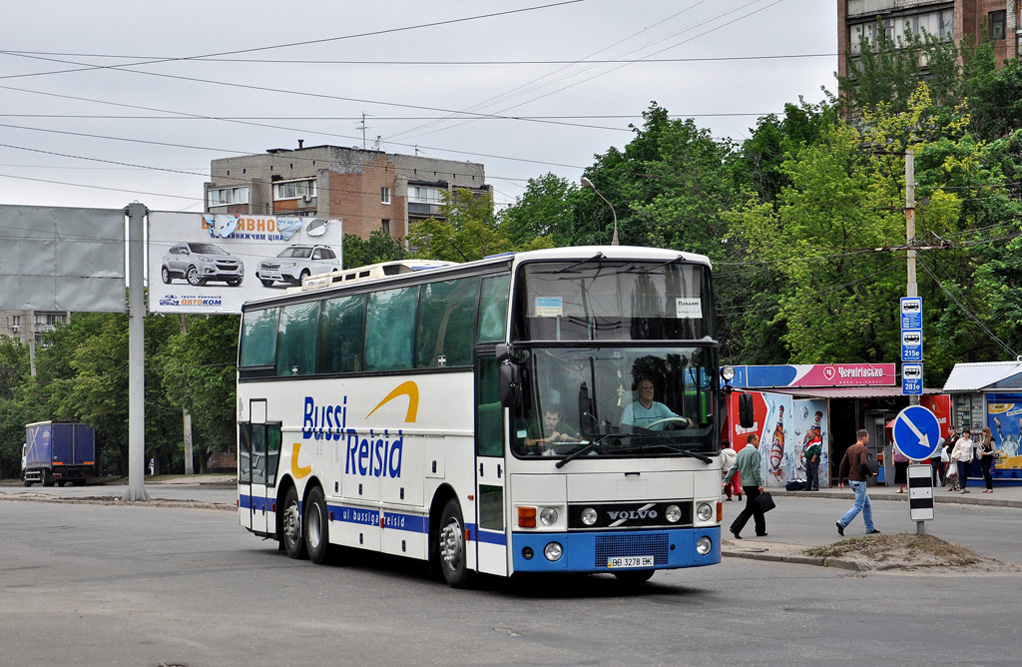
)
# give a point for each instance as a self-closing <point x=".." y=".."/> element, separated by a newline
<point x="924" y="440"/>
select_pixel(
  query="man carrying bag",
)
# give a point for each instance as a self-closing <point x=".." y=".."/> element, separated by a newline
<point x="749" y="465"/>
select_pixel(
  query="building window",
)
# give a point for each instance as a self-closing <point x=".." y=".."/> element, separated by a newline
<point x="384" y="195"/>
<point x="48" y="321"/>
<point x="424" y="195"/>
<point x="385" y="226"/>
<point x="998" y="24"/>
<point x="294" y="189"/>
<point x="227" y="196"/>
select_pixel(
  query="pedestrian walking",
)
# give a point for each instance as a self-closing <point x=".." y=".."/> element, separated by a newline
<point x="855" y="466"/>
<point x="900" y="469"/>
<point x="937" y="464"/>
<point x="728" y="455"/>
<point x="962" y="456"/>
<point x="749" y="464"/>
<point x="987" y="453"/>
<point x="813" y="453"/>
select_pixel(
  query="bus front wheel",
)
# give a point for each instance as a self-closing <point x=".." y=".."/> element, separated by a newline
<point x="451" y="547"/>
<point x="291" y="526"/>
<point x="316" y="528"/>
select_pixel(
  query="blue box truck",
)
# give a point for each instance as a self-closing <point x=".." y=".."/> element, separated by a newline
<point x="58" y="453"/>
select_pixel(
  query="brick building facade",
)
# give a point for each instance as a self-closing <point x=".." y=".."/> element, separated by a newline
<point x="368" y="189"/>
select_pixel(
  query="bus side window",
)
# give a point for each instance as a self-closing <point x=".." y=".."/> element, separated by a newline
<point x="444" y="331"/>
<point x="493" y="308"/>
<point x="390" y="329"/>
<point x="341" y="325"/>
<point x="296" y="339"/>
<point x="259" y="337"/>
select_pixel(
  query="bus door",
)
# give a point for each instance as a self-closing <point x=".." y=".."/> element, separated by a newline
<point x="491" y="468"/>
<point x="260" y="445"/>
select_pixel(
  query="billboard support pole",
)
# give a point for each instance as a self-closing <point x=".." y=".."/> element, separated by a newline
<point x="136" y="214"/>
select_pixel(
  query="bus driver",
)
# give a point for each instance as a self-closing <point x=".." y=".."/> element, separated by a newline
<point x="554" y="430"/>
<point x="649" y="414"/>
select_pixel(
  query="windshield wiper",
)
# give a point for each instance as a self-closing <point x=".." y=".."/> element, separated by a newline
<point x="597" y="256"/>
<point x="581" y="450"/>
<point x="685" y="452"/>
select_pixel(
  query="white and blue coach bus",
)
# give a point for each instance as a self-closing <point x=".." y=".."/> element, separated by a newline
<point x="548" y="411"/>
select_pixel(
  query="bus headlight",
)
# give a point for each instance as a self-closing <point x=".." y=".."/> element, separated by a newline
<point x="548" y="516"/>
<point x="672" y="513"/>
<point x="703" y="545"/>
<point x="553" y="551"/>
<point x="589" y="516"/>
<point x="704" y="511"/>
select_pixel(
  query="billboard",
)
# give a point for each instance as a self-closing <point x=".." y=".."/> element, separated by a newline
<point x="65" y="259"/>
<point x="204" y="263"/>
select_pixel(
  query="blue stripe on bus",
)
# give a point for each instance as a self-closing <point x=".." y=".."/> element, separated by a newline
<point x="589" y="551"/>
<point x="255" y="502"/>
<point x="371" y="517"/>
<point x="486" y="536"/>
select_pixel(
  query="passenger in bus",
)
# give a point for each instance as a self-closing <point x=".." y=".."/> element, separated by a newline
<point x="648" y="414"/>
<point x="553" y="430"/>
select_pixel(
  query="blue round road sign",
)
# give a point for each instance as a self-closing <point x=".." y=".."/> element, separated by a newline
<point x="916" y="432"/>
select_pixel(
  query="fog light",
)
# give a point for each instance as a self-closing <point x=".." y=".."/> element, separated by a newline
<point x="673" y="513"/>
<point x="527" y="553"/>
<point x="704" y="511"/>
<point x="703" y="545"/>
<point x="553" y="551"/>
<point x="589" y="516"/>
<point x="548" y="516"/>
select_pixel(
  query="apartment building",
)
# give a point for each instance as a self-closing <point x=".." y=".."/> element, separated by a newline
<point x="957" y="19"/>
<point x="369" y="189"/>
<point x="28" y="325"/>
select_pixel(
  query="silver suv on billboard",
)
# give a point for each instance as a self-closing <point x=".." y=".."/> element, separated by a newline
<point x="199" y="263"/>
<point x="296" y="262"/>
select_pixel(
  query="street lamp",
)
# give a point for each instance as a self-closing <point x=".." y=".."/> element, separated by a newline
<point x="589" y="184"/>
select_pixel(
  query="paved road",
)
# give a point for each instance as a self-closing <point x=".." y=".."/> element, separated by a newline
<point x="138" y="584"/>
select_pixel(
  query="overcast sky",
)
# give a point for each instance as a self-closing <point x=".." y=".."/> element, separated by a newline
<point x="108" y="101"/>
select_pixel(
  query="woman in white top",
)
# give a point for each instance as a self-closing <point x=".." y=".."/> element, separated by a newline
<point x="962" y="455"/>
<point x="727" y="457"/>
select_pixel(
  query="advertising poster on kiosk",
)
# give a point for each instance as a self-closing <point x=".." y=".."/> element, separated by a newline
<point x="204" y="263"/>
<point x="1004" y="417"/>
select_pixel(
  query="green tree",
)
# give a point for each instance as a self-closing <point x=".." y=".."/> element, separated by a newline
<point x="546" y="209"/>
<point x="197" y="371"/>
<point x="467" y="230"/>
<point x="379" y="247"/>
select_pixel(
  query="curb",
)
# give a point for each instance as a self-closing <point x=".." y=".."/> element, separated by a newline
<point x="954" y="498"/>
<point x="763" y="553"/>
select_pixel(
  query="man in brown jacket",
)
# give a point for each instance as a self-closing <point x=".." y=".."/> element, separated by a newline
<point x="854" y="465"/>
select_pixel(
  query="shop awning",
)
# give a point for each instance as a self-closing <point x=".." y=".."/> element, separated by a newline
<point x="846" y="392"/>
<point x="979" y="376"/>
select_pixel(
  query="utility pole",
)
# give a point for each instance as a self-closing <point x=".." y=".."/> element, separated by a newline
<point x="912" y="290"/>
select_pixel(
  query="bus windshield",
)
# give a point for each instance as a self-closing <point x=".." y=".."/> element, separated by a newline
<point x="615" y="401"/>
<point x="600" y="299"/>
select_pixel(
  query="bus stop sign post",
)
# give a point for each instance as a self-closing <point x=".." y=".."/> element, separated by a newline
<point x="917" y="434"/>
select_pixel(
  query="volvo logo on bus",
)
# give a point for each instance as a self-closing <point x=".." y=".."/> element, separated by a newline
<point x="618" y="517"/>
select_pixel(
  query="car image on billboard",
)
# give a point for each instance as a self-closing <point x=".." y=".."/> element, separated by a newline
<point x="297" y="262"/>
<point x="200" y="263"/>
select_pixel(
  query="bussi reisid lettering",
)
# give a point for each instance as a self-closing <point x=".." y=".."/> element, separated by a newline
<point x="372" y="455"/>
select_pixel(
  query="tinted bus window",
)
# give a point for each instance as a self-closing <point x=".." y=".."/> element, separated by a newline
<point x="259" y="337"/>
<point x="341" y="324"/>
<point x="493" y="308"/>
<point x="390" y="329"/>
<point x="296" y="339"/>
<point x="444" y="330"/>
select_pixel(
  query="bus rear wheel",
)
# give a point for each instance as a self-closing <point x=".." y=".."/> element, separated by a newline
<point x="291" y="526"/>
<point x="451" y="548"/>
<point x="316" y="527"/>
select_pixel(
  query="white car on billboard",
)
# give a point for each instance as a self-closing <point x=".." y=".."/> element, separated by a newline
<point x="199" y="263"/>
<point x="296" y="262"/>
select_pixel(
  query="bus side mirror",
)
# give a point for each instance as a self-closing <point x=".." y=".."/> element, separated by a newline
<point x="510" y="385"/>
<point x="745" y="414"/>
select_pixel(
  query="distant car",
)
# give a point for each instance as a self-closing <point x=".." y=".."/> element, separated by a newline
<point x="296" y="262"/>
<point x="199" y="263"/>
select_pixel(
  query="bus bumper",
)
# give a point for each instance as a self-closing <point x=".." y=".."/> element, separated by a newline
<point x="597" y="551"/>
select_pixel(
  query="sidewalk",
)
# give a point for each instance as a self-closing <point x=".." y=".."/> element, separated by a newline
<point x="792" y="552"/>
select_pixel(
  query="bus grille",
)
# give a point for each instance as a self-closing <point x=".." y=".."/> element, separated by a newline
<point x="632" y="544"/>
